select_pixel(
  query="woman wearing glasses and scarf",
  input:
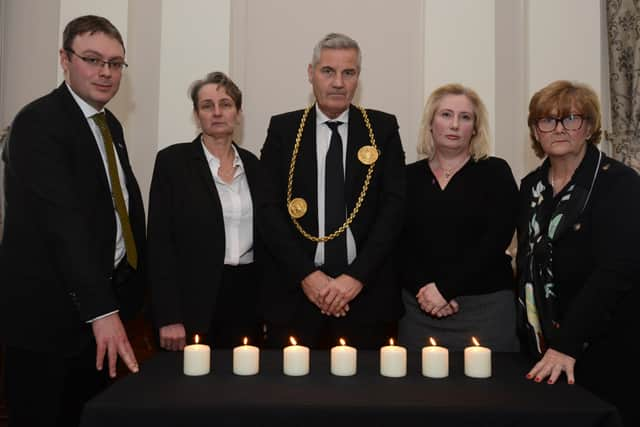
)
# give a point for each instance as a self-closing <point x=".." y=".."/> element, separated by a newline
<point x="578" y="258"/>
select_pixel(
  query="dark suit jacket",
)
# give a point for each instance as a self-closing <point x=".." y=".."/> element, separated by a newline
<point x="375" y="228"/>
<point x="57" y="254"/>
<point x="186" y="235"/>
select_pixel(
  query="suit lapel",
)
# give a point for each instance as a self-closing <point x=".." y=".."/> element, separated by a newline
<point x="198" y="163"/>
<point x="305" y="180"/>
<point x="84" y="139"/>
<point x="355" y="170"/>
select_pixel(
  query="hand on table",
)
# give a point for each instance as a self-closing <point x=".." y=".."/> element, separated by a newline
<point x="112" y="341"/>
<point x="552" y="364"/>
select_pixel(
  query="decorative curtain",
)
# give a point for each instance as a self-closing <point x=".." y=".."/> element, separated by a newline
<point x="623" y="28"/>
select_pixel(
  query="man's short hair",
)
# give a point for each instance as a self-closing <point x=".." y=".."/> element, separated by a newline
<point x="335" y="41"/>
<point x="89" y="24"/>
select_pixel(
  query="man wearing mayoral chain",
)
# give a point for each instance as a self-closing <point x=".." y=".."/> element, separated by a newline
<point x="331" y="211"/>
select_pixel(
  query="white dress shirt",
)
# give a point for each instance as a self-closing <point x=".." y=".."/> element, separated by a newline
<point x="89" y="111"/>
<point x="237" y="210"/>
<point x="120" y="250"/>
<point x="323" y="139"/>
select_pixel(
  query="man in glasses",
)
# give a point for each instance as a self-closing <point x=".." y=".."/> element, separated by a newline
<point x="73" y="239"/>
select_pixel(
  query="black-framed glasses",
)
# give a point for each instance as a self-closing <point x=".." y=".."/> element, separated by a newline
<point x="93" y="61"/>
<point x="570" y="122"/>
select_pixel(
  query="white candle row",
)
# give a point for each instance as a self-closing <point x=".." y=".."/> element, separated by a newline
<point x="393" y="360"/>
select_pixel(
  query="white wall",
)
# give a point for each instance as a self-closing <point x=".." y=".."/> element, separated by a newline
<point x="563" y="48"/>
<point x="29" y="53"/>
<point x="505" y="49"/>
<point x="273" y="44"/>
<point x="194" y="41"/>
<point x="460" y="47"/>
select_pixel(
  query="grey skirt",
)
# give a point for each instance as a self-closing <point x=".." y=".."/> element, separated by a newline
<point x="491" y="318"/>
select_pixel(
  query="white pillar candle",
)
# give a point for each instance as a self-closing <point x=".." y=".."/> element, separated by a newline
<point x="246" y="359"/>
<point x="477" y="361"/>
<point x="197" y="359"/>
<point x="435" y="361"/>
<point x="343" y="360"/>
<point x="393" y="360"/>
<point x="295" y="360"/>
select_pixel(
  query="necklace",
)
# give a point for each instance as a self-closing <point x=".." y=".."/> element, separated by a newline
<point x="298" y="206"/>
<point x="449" y="172"/>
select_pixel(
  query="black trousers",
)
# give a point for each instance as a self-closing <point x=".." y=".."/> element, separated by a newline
<point x="236" y="314"/>
<point x="48" y="389"/>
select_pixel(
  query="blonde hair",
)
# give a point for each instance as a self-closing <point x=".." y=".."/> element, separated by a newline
<point x="479" y="144"/>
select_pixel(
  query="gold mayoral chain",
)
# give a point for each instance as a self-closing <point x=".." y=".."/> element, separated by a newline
<point x="298" y="206"/>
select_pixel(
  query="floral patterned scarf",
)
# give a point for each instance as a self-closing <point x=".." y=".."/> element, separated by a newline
<point x="538" y="297"/>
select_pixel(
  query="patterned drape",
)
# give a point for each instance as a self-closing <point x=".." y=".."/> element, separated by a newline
<point x="623" y="28"/>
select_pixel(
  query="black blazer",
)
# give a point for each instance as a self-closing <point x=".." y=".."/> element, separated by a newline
<point x="186" y="235"/>
<point x="375" y="228"/>
<point x="57" y="254"/>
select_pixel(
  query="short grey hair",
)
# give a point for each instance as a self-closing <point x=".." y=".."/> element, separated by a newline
<point x="335" y="41"/>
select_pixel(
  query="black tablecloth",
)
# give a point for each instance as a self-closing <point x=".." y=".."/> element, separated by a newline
<point x="160" y="395"/>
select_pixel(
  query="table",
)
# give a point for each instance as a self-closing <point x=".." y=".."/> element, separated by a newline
<point x="160" y="395"/>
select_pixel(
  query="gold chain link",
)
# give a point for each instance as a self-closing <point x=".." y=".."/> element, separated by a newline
<point x="365" y="185"/>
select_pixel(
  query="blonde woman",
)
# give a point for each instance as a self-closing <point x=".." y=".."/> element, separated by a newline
<point x="460" y="218"/>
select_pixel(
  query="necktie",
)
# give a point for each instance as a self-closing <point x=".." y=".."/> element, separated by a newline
<point x="335" y="251"/>
<point x="116" y="191"/>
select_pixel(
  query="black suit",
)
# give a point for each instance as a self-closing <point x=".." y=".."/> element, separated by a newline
<point x="375" y="228"/>
<point x="187" y="244"/>
<point x="57" y="256"/>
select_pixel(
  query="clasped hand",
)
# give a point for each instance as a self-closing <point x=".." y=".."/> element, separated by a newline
<point x="433" y="303"/>
<point x="331" y="295"/>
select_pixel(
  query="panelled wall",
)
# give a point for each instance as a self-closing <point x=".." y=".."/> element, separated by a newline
<point x="505" y="49"/>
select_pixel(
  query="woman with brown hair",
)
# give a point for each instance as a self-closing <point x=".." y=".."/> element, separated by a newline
<point x="578" y="260"/>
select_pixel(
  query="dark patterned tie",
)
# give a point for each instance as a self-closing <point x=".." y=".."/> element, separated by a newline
<point x="116" y="190"/>
<point x="335" y="250"/>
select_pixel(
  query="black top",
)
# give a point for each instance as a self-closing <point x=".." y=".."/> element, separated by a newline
<point x="187" y="237"/>
<point x="596" y="272"/>
<point x="596" y="264"/>
<point x="457" y="237"/>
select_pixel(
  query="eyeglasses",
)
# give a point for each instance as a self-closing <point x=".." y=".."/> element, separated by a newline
<point x="570" y="122"/>
<point x="94" y="62"/>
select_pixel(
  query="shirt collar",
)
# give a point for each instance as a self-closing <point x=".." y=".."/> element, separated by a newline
<point x="213" y="160"/>
<point x="87" y="109"/>
<point x="322" y="117"/>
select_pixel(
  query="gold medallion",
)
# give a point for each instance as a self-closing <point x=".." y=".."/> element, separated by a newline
<point x="368" y="155"/>
<point x="297" y="207"/>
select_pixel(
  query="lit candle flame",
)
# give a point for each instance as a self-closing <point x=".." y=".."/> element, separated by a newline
<point x="432" y="341"/>
<point x="475" y="341"/>
<point x="390" y="341"/>
<point x="245" y="341"/>
<point x="342" y="341"/>
<point x="293" y="341"/>
<point x="197" y="339"/>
